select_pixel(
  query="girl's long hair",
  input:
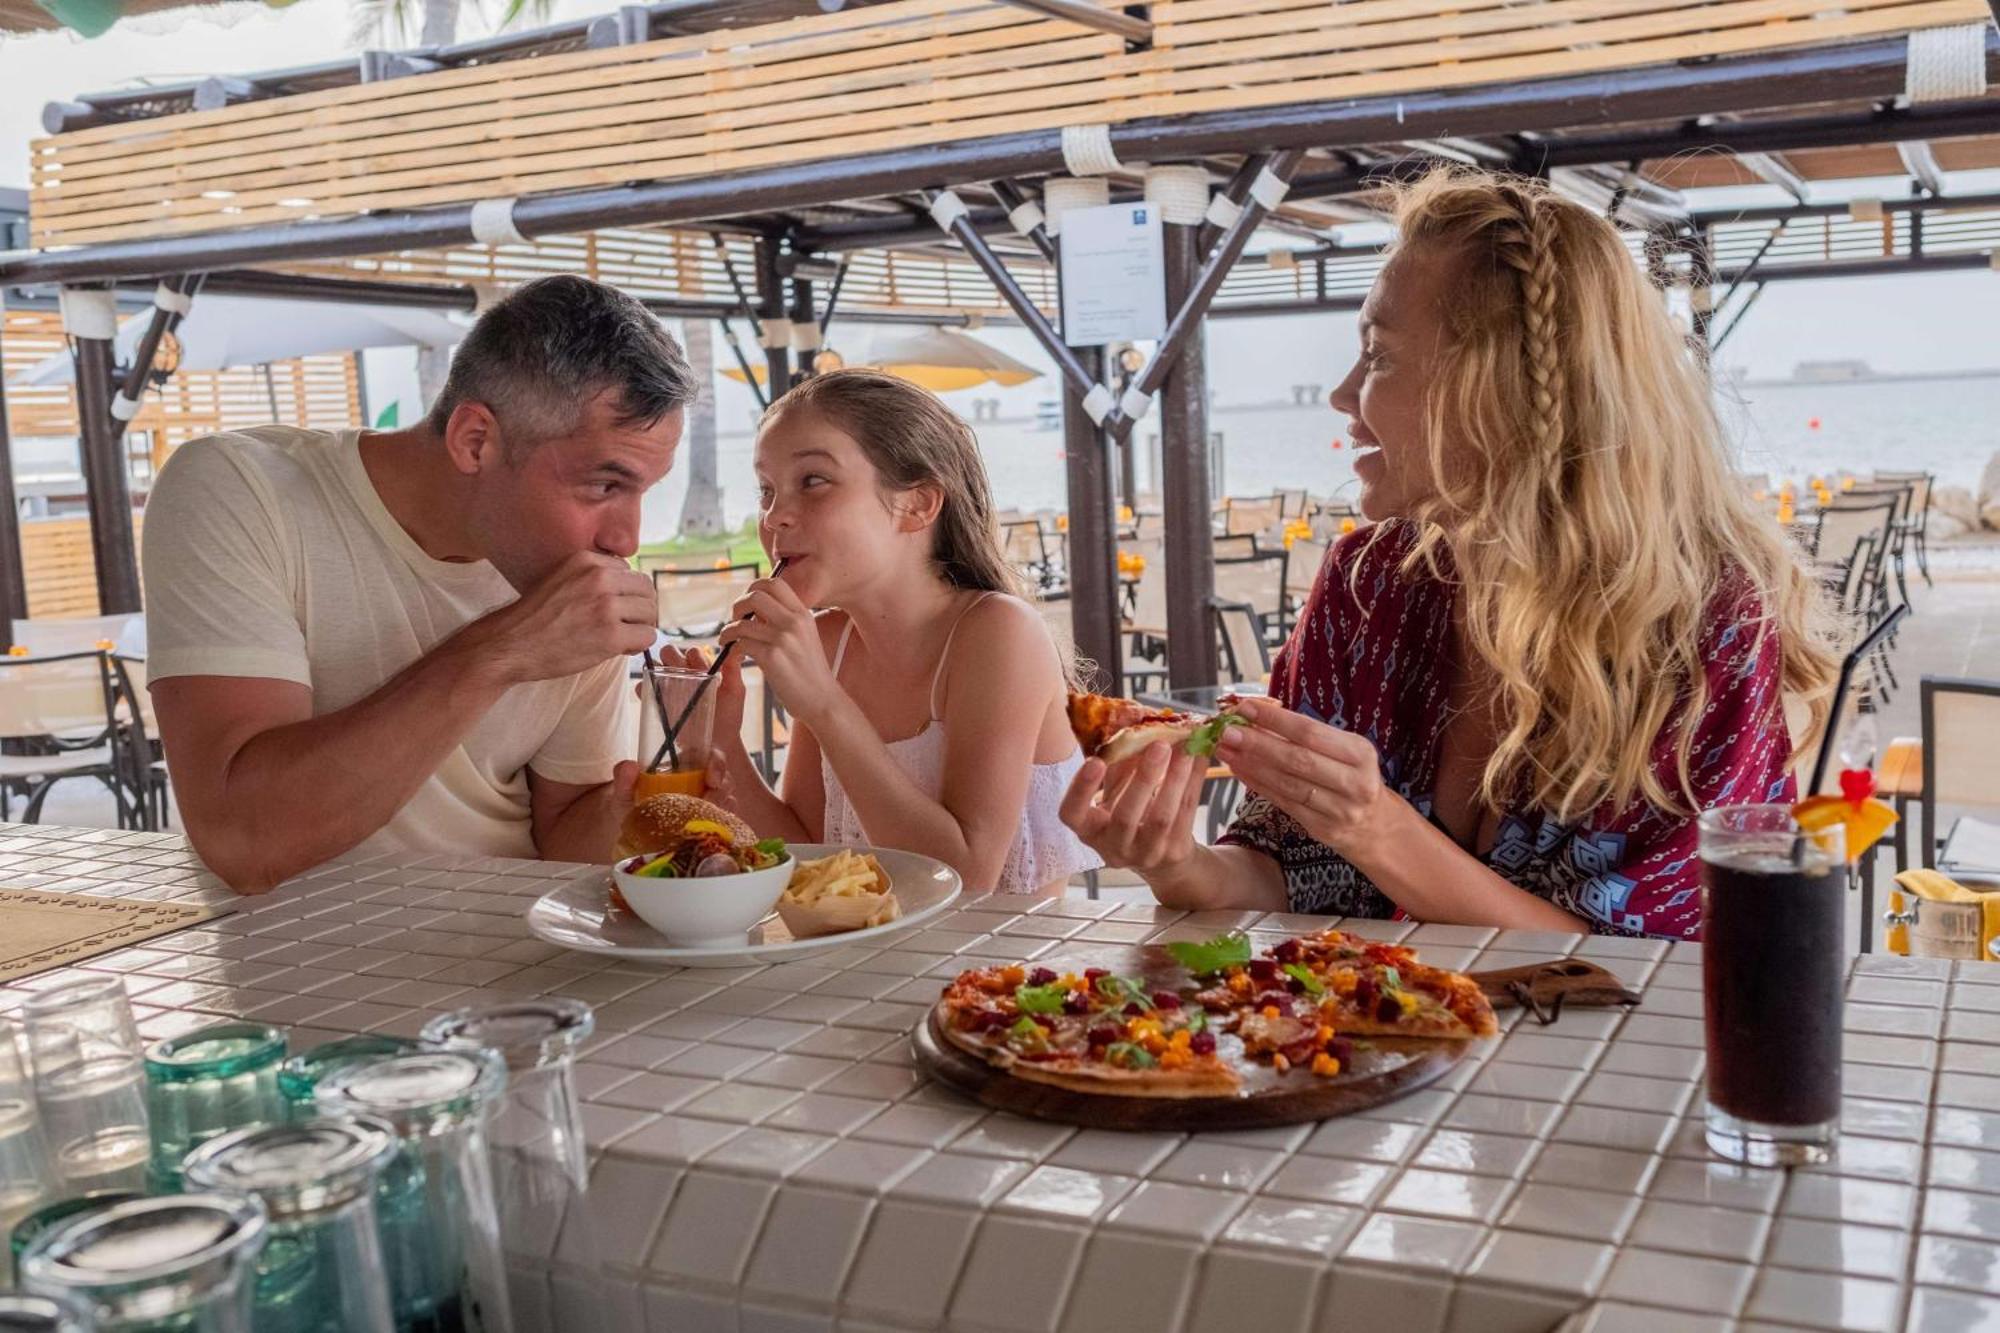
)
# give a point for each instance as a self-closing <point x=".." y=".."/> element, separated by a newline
<point x="912" y="439"/>
<point x="1586" y="502"/>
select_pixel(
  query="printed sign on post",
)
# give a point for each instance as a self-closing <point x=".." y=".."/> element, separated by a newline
<point x="1114" y="275"/>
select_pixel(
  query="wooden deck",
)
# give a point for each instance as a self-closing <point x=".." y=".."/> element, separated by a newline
<point x="899" y="75"/>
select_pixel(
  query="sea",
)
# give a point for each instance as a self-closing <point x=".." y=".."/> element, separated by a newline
<point x="1946" y="425"/>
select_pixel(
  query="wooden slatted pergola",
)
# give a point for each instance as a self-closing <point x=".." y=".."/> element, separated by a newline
<point x="886" y="157"/>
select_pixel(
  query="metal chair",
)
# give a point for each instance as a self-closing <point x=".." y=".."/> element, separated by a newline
<point x="1961" y="740"/>
<point x="1258" y="581"/>
<point x="695" y="603"/>
<point x="1917" y="521"/>
<point x="60" y="719"/>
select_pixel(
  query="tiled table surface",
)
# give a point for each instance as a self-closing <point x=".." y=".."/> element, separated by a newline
<point x="767" y="1158"/>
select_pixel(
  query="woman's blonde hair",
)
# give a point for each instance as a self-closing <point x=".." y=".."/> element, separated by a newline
<point x="1585" y="497"/>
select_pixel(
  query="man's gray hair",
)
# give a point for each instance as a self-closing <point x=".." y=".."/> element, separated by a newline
<point x="538" y="357"/>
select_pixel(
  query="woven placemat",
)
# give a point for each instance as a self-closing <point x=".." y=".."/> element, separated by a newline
<point x="39" y="931"/>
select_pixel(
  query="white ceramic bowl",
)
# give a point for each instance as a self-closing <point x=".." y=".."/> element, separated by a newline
<point x="703" y="911"/>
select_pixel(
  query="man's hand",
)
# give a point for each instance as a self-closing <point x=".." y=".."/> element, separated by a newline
<point x="592" y="608"/>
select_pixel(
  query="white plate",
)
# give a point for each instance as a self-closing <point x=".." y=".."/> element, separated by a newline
<point x="577" y="916"/>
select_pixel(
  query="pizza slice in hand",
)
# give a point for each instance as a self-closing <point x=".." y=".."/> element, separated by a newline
<point x="1117" y="729"/>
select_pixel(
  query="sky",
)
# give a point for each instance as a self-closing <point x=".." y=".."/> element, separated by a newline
<point x="1919" y="322"/>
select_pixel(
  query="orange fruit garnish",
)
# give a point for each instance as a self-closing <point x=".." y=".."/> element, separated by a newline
<point x="1865" y="821"/>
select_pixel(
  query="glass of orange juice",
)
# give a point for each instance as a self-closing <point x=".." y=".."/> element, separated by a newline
<point x="664" y="692"/>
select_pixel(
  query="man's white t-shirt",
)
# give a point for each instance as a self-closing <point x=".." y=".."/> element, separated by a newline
<point x="269" y="553"/>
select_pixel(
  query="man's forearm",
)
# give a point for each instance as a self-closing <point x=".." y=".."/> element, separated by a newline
<point x="298" y="794"/>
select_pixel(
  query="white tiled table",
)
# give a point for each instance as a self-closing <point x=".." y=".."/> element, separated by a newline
<point x="767" y="1159"/>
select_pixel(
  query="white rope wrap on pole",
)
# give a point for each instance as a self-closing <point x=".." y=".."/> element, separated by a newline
<point x="1223" y="211"/>
<point x="946" y="209"/>
<point x="1993" y="259"/>
<point x="493" y="222"/>
<point x="1026" y="218"/>
<point x="1062" y="193"/>
<point x="171" y="301"/>
<point x="805" y="336"/>
<point x="1135" y="404"/>
<point x="89" y="312"/>
<point x="1946" y="64"/>
<point x="123" y="408"/>
<point x="1087" y="150"/>
<point x="1181" y="193"/>
<point x="1098" y="403"/>
<point x="1864" y="210"/>
<point x="1269" y="189"/>
<point x="775" y="333"/>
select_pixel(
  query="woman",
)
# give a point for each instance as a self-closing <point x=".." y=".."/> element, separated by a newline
<point x="1565" y="633"/>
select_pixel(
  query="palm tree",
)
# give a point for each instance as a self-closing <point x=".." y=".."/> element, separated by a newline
<point x="701" y="511"/>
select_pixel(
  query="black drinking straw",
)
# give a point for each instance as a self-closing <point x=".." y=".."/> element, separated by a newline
<point x="673" y="733"/>
<point x="660" y="707"/>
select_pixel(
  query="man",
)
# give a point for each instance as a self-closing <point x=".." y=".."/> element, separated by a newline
<point x="417" y="639"/>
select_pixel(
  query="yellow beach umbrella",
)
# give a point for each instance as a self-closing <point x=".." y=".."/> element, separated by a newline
<point x="939" y="359"/>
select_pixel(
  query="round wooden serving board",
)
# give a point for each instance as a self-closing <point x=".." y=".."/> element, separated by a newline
<point x="1383" y="1069"/>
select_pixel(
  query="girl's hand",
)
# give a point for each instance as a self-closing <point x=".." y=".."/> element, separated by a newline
<point x="784" y="638"/>
<point x="1140" y="815"/>
<point x="1328" y="780"/>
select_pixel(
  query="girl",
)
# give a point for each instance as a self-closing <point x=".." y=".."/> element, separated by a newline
<point x="1566" y="633"/>
<point x="927" y="700"/>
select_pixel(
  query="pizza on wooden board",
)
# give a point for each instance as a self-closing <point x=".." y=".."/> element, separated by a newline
<point x="1116" y="729"/>
<point x="1089" y="1031"/>
<point x="1299" y="1005"/>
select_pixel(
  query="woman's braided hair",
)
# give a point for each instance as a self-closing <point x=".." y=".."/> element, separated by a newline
<point x="1584" y="502"/>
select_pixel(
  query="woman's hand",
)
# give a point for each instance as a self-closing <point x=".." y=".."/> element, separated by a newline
<point x="1139" y="815"/>
<point x="784" y="638"/>
<point x="1328" y="780"/>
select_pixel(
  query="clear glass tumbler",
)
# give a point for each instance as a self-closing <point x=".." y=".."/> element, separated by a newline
<point x="171" y="1264"/>
<point x="440" y="1233"/>
<point x="298" y="1077"/>
<point x="321" y="1271"/>
<point x="541" y="1167"/>
<point x="1773" y="964"/>
<point x="21" y="1313"/>
<point x="208" y="1082"/>
<point x="664" y="693"/>
<point x="49" y="1214"/>
<point x="27" y="1175"/>
<point x="90" y="1082"/>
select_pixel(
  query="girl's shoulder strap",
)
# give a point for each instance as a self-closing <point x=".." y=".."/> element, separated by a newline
<point x="840" y="645"/>
<point x="944" y="655"/>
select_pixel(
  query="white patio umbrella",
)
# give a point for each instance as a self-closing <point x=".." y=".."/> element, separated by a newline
<point x="225" y="331"/>
<point x="940" y="359"/>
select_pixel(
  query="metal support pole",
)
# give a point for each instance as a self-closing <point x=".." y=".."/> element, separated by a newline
<point x="1013" y="196"/>
<point x="1190" y="305"/>
<point x="1747" y="269"/>
<point x="770" y="313"/>
<point x="1741" y="311"/>
<point x="832" y="299"/>
<point x="165" y="320"/>
<point x="1190" y="546"/>
<point x="1090" y="16"/>
<point x="1235" y="192"/>
<point x="803" y="318"/>
<point x="742" y="361"/>
<point x="1701" y="286"/>
<point x="13" y="577"/>
<point x="109" y="491"/>
<point x="1079" y="379"/>
<point x="1093" y="537"/>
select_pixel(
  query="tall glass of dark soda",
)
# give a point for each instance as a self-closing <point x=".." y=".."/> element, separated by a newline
<point x="1773" y="963"/>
